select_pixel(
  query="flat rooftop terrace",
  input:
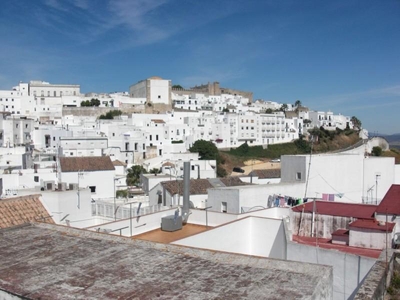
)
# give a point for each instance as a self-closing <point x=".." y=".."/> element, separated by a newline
<point x="52" y="262"/>
<point x="166" y="237"/>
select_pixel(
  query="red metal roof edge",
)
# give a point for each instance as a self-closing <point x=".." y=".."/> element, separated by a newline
<point x="372" y="224"/>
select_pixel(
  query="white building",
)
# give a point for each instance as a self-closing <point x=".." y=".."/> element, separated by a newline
<point x="95" y="173"/>
<point x="154" y="89"/>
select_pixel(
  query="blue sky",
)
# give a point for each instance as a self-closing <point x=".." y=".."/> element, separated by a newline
<point x="342" y="56"/>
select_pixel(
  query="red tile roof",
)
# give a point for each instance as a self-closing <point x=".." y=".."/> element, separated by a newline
<point x="327" y="244"/>
<point x="372" y="224"/>
<point x="21" y="210"/>
<point x="87" y="164"/>
<point x="391" y="202"/>
<point x="359" y="211"/>
<point x="159" y="121"/>
<point x="341" y="232"/>
<point x="118" y="163"/>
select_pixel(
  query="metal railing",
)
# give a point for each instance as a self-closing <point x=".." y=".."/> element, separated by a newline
<point x="106" y="209"/>
<point x="371" y="200"/>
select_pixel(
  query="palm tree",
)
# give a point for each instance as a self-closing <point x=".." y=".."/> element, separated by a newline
<point x="297" y="103"/>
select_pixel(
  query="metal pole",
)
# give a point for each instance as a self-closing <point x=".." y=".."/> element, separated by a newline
<point x="130" y="216"/>
<point x="115" y="213"/>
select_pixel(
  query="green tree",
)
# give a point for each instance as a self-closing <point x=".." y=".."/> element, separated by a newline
<point x="269" y="111"/>
<point x="155" y="171"/>
<point x="356" y="123"/>
<point x="243" y="149"/>
<point x="133" y="176"/>
<point x="284" y="107"/>
<point x="122" y="193"/>
<point x="208" y="151"/>
<point x="225" y="110"/>
<point x="297" y="103"/>
<point x="376" y="151"/>
<point x="177" y="86"/>
<point x="94" y="102"/>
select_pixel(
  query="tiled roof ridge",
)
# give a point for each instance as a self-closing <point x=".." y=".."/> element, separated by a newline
<point x="31" y="196"/>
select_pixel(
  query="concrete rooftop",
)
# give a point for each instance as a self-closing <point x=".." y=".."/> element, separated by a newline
<point x="52" y="262"/>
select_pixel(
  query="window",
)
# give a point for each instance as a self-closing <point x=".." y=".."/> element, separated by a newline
<point x="54" y="138"/>
<point x="36" y="178"/>
<point x="55" y="94"/>
<point x="156" y="137"/>
<point x="16" y="125"/>
<point x="224" y="207"/>
<point x="92" y="189"/>
<point x="151" y="137"/>
<point x="298" y="175"/>
<point x="159" y="97"/>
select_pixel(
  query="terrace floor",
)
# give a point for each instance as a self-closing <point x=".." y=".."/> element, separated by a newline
<point x="167" y="237"/>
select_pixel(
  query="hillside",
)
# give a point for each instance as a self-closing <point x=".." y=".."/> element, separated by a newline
<point x="324" y="141"/>
<point x="393" y="140"/>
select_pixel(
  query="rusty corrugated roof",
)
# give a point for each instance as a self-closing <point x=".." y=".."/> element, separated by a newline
<point x="21" y="210"/>
<point x="86" y="163"/>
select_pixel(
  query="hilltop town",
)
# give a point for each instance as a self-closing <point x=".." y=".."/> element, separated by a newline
<point x="118" y="189"/>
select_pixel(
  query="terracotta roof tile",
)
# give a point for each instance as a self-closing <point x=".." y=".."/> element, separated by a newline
<point x="233" y="181"/>
<point x="197" y="186"/>
<point x="266" y="173"/>
<point x="21" y="210"/>
<point x="341" y="232"/>
<point x="117" y="163"/>
<point x="359" y="211"/>
<point x="391" y="202"/>
<point x="86" y="163"/>
<point x="158" y="121"/>
<point x="200" y="186"/>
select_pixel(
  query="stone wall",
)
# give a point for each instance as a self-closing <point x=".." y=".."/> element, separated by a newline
<point x="97" y="111"/>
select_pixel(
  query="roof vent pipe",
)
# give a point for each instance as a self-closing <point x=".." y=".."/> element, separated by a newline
<point x="186" y="191"/>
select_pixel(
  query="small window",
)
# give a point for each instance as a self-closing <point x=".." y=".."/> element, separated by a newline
<point x="36" y="178"/>
<point x="298" y="175"/>
<point x="92" y="189"/>
<point x="224" y="207"/>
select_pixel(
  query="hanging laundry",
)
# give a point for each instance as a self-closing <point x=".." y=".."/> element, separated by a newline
<point x="331" y="197"/>
<point x="325" y="197"/>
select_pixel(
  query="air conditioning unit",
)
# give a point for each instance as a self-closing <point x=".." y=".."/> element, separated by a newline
<point x="73" y="186"/>
<point x="62" y="186"/>
<point x="49" y="185"/>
